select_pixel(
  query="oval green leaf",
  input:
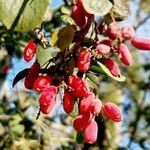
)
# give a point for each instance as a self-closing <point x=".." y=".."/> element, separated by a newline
<point x="101" y="68"/>
<point x="23" y="15"/>
<point x="43" y="55"/>
<point x="97" y="7"/>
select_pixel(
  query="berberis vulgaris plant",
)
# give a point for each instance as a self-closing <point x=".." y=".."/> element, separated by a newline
<point x="88" y="47"/>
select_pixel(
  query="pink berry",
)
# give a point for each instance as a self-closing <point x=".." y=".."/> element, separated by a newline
<point x="84" y="60"/>
<point x="81" y="121"/>
<point x="91" y="104"/>
<point x="107" y="42"/>
<point x="29" y="51"/>
<point x="128" y="32"/>
<point x="103" y="49"/>
<point x="113" y="67"/>
<point x="141" y="43"/>
<point x="112" y="111"/>
<point x="112" y="31"/>
<point x="91" y="131"/>
<point x="68" y="102"/>
<point x="124" y="54"/>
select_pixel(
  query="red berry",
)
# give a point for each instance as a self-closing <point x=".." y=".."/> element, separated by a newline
<point x="32" y="75"/>
<point x="47" y="99"/>
<point x="112" y="111"/>
<point x="128" y="32"/>
<point x="91" y="131"/>
<point x="80" y="87"/>
<point x="112" y="66"/>
<point x="80" y="5"/>
<point x="124" y="54"/>
<point x="84" y="60"/>
<point x="48" y="95"/>
<point x="112" y="31"/>
<point x="91" y="104"/>
<point x="42" y="82"/>
<point x="141" y="43"/>
<point x="81" y="121"/>
<point x="103" y="49"/>
<point x="29" y="51"/>
<point x="108" y="42"/>
<point x="78" y="16"/>
<point x="68" y="102"/>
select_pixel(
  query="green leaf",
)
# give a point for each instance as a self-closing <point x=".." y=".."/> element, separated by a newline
<point x="120" y="10"/>
<point x="97" y="7"/>
<point x="63" y="38"/>
<point x="93" y="78"/>
<point x="20" y="76"/>
<point x="68" y="19"/>
<point x="102" y="69"/>
<point x="80" y="137"/>
<point x="23" y="15"/>
<point x="43" y="55"/>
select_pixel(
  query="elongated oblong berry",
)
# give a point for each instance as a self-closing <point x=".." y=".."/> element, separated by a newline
<point x="29" y="51"/>
<point x="84" y="60"/>
<point x="78" y="16"/>
<point x="127" y="32"/>
<point x="112" y="111"/>
<point x="32" y="75"/>
<point x="91" y="104"/>
<point x="47" y="99"/>
<point x="141" y="43"/>
<point x="80" y="87"/>
<point x="103" y="49"/>
<point x="91" y="131"/>
<point x="112" y="31"/>
<point x="42" y="82"/>
<point x="68" y="102"/>
<point x="81" y="121"/>
<point x="124" y="54"/>
<point x="112" y="66"/>
<point x="48" y="95"/>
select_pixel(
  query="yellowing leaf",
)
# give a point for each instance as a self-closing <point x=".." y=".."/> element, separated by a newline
<point x="63" y="38"/>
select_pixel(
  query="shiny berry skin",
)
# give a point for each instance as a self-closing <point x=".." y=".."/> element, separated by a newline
<point x="107" y="42"/>
<point x="127" y="32"/>
<point x="78" y="16"/>
<point x="47" y="99"/>
<point x="141" y="43"/>
<point x="84" y="60"/>
<point x="29" y="51"/>
<point x="103" y="49"/>
<point x="112" y="111"/>
<point x="42" y="82"/>
<point x="48" y="95"/>
<point x="81" y="121"/>
<point x="91" y="104"/>
<point x="112" y="66"/>
<point x="91" y="131"/>
<point x="80" y="5"/>
<point x="32" y="75"/>
<point x="124" y="54"/>
<point x="68" y="102"/>
<point x="79" y="86"/>
<point x="112" y="31"/>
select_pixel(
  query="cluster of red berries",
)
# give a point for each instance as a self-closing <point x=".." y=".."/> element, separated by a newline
<point x="76" y="89"/>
